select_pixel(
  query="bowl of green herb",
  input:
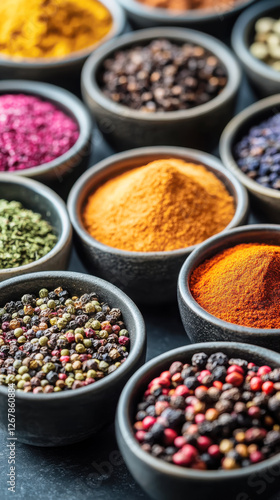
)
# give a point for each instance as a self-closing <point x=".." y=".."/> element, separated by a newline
<point x="35" y="230"/>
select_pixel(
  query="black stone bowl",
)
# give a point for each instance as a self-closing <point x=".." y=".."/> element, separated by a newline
<point x="35" y="196"/>
<point x="202" y="326"/>
<point x="199" y="127"/>
<point x="61" y="173"/>
<point x="163" y="481"/>
<point x="264" y="79"/>
<point x="149" y="277"/>
<point x="58" y="419"/>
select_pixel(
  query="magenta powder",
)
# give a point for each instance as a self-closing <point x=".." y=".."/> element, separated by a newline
<point x="32" y="132"/>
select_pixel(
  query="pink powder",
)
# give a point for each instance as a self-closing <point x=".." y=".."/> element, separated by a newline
<point x="32" y="132"/>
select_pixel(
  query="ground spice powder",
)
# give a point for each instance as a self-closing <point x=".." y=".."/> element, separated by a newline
<point x="165" y="205"/>
<point x="51" y="28"/>
<point x="241" y="285"/>
<point x="217" y="5"/>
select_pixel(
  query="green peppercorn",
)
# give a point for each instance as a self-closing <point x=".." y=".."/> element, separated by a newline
<point x="10" y="379"/>
<point x="43" y="293"/>
<point x="18" y="377"/>
<point x="80" y="330"/>
<point x="2" y="342"/>
<point x="79" y="376"/>
<point x="61" y="323"/>
<point x="14" y="315"/>
<point x="26" y="377"/>
<point x="43" y="340"/>
<point x="95" y="325"/>
<point x="17" y="364"/>
<point x="68" y="367"/>
<point x="123" y="333"/>
<point x="69" y="381"/>
<point x="22" y="370"/>
<point x="89" y="308"/>
<point x="66" y="317"/>
<point x="20" y="384"/>
<point x="2" y="311"/>
<point x="53" y="321"/>
<point x="22" y="339"/>
<point x="80" y="348"/>
<point x="64" y="352"/>
<point x="69" y="302"/>
<point x="2" y="379"/>
<point x="34" y="341"/>
<point x="48" y="367"/>
<point x="103" y="366"/>
<point x="44" y="382"/>
<point x="103" y="334"/>
<point x="91" y="374"/>
<point x="43" y="307"/>
<point x="39" y="302"/>
<point x="18" y="332"/>
<point x="71" y="309"/>
<point x="87" y="343"/>
<point x="57" y="389"/>
<point x="98" y="309"/>
<point x="26" y="320"/>
<point x="51" y="304"/>
<point x="79" y="337"/>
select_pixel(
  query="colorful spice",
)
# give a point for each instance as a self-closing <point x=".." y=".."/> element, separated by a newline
<point x="51" y="28"/>
<point x="266" y="46"/>
<point x="165" y="205"/>
<point x="32" y="132"/>
<point x="216" y="5"/>
<point x="24" y="236"/>
<point x="173" y="420"/>
<point x="57" y="342"/>
<point x="241" y="285"/>
<point x="162" y="76"/>
<point x="258" y="153"/>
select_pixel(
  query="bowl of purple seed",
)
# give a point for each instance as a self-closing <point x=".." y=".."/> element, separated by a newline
<point x="68" y="344"/>
<point x="250" y="149"/>
<point x="162" y="86"/>
<point x="203" y="418"/>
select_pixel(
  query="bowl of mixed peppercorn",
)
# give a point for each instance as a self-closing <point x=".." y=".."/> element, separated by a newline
<point x="203" y="419"/>
<point x="68" y="344"/>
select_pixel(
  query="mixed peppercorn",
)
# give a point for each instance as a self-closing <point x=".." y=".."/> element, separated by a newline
<point x="58" y="342"/>
<point x="213" y="413"/>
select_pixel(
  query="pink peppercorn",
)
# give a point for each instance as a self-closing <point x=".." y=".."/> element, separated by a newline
<point x="62" y="376"/>
<point x="180" y="458"/>
<point x="115" y="328"/>
<point x="235" y="378"/>
<point x="214" y="451"/>
<point x="256" y="456"/>
<point x="169" y="436"/>
<point x="189" y="451"/>
<point x="179" y="441"/>
<point x="64" y="358"/>
<point x="203" y="442"/>
<point x="254" y="412"/>
<point x="268" y="387"/>
<point x="90" y="333"/>
<point x="148" y="422"/>
<point x="123" y="340"/>
<point x="263" y="370"/>
<point x="89" y="381"/>
<point x="200" y="417"/>
<point x="256" y="384"/>
<point x="235" y="368"/>
<point x="181" y="390"/>
<point x="70" y="337"/>
<point x="140" y="435"/>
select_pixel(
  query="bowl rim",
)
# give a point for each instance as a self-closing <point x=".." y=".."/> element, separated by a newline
<point x="91" y="88"/>
<point x="123" y="421"/>
<point x="227" y="142"/>
<point x="135" y="351"/>
<point x="118" y="25"/>
<point x="191" y="15"/>
<point x="194" y="260"/>
<point x="60" y="208"/>
<point x="193" y="155"/>
<point x="62" y="98"/>
<point x="240" y="47"/>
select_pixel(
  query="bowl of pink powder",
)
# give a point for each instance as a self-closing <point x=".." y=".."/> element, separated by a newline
<point x="45" y="133"/>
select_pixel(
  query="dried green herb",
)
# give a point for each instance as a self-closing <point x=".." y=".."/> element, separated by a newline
<point x="24" y="235"/>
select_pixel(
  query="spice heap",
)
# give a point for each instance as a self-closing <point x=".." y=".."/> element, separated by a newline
<point x="241" y="285"/>
<point x="32" y="132"/>
<point x="24" y="236"/>
<point x="258" y="153"/>
<point x="266" y="46"/>
<point x="58" y="342"/>
<point x="215" y="413"/>
<point x="162" y="76"/>
<point x="191" y="4"/>
<point x="51" y="28"/>
<point x="165" y="205"/>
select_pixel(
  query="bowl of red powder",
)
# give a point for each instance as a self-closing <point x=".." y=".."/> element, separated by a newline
<point x="44" y="133"/>
<point x="229" y="287"/>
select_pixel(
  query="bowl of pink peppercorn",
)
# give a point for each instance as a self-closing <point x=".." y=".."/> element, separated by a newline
<point x="203" y="421"/>
<point x="45" y="133"/>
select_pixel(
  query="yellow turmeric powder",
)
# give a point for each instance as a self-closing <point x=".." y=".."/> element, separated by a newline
<point x="165" y="205"/>
<point x="51" y="28"/>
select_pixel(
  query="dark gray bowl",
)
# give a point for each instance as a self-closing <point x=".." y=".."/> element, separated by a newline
<point x="39" y="198"/>
<point x="265" y="80"/>
<point x="61" y="173"/>
<point x="68" y="417"/>
<point x="49" y="69"/>
<point x="266" y="199"/>
<point x="145" y="276"/>
<point x="198" y="127"/>
<point x="163" y="481"/>
<point x="202" y="326"/>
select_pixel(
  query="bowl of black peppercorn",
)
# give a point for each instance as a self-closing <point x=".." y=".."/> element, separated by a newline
<point x="51" y="410"/>
<point x="151" y="465"/>
<point x="162" y="86"/>
<point x="249" y="149"/>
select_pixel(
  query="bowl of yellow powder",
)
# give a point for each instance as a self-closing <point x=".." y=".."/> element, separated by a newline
<point x="43" y="39"/>
<point x="139" y="214"/>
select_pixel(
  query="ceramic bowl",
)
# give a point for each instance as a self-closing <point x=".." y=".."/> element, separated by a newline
<point x="216" y="22"/>
<point x="163" y="481"/>
<point x="202" y="326"/>
<point x="265" y="80"/>
<point x="71" y="416"/>
<point x="39" y="198"/>
<point x="266" y="199"/>
<point x="61" y="173"/>
<point x="49" y="69"/>
<point x="145" y="276"/>
<point x="125" y="128"/>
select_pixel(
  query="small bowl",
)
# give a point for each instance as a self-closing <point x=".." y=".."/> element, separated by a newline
<point x="71" y="416"/>
<point x="48" y="69"/>
<point x="39" y="198"/>
<point x="213" y="21"/>
<point x="264" y="79"/>
<point x="125" y="128"/>
<point x="202" y="326"/>
<point x="145" y="276"/>
<point x="61" y="173"/>
<point x="161" y="480"/>
<point x="268" y="200"/>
